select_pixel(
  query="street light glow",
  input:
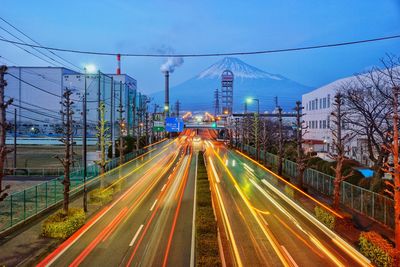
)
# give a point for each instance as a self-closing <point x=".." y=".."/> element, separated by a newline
<point x="249" y="100"/>
<point x="90" y="68"/>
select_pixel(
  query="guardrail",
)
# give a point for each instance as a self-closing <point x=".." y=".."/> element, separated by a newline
<point x="373" y="205"/>
<point x="20" y="206"/>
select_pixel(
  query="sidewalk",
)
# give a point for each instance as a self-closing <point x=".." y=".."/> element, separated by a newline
<point x="25" y="247"/>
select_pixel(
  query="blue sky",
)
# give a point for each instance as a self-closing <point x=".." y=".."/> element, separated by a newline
<point x="210" y="26"/>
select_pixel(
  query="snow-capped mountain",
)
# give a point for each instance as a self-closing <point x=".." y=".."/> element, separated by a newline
<point x="197" y="93"/>
<point x="238" y="67"/>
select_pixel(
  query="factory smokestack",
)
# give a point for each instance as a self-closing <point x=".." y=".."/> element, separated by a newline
<point x="168" y="67"/>
<point x="166" y="103"/>
<point x="119" y="64"/>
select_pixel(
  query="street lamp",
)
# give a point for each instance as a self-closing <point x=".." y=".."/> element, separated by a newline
<point x="88" y="69"/>
<point x="250" y="100"/>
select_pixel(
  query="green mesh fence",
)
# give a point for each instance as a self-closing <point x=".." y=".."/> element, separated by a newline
<point x="371" y="204"/>
<point x="22" y="205"/>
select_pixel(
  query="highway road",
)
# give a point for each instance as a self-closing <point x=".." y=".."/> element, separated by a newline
<point x="149" y="224"/>
<point x="262" y="226"/>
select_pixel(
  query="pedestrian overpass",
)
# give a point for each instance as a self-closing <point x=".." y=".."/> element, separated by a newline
<point x="204" y="125"/>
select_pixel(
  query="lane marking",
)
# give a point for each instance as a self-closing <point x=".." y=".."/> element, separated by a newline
<point x="289" y="256"/>
<point x="162" y="189"/>
<point x="154" y="204"/>
<point x="214" y="170"/>
<point x="136" y="235"/>
<point x="192" y="258"/>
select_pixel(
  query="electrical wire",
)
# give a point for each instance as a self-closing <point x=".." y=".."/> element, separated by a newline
<point x="27" y="36"/>
<point x="279" y="50"/>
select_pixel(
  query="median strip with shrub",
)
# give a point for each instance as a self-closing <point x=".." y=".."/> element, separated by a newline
<point x="207" y="251"/>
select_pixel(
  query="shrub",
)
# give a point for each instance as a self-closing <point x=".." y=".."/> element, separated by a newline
<point x="376" y="248"/>
<point x="101" y="196"/>
<point x="60" y="225"/>
<point x="325" y="217"/>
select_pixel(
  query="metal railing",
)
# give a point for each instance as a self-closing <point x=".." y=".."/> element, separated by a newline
<point x="20" y="206"/>
<point x="371" y="204"/>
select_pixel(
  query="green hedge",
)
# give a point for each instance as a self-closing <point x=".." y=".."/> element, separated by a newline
<point x="101" y="196"/>
<point x="325" y="217"/>
<point x="377" y="249"/>
<point x="207" y="251"/>
<point x="60" y="225"/>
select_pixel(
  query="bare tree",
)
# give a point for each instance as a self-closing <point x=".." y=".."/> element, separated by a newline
<point x="369" y="117"/>
<point x="67" y="112"/>
<point x="3" y="129"/>
<point x="104" y="138"/>
<point x="280" y="141"/>
<point x="339" y="146"/>
<point x="301" y="159"/>
<point x="267" y="136"/>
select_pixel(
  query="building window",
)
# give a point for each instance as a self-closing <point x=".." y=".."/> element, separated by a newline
<point x="320" y="103"/>
<point x="316" y="103"/>
<point x="329" y="101"/>
<point x="324" y="124"/>
<point x="328" y="123"/>
<point x="324" y="102"/>
<point x="320" y="124"/>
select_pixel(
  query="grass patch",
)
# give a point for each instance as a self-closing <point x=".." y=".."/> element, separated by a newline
<point x="377" y="249"/>
<point x="207" y="251"/>
<point x="60" y="225"/>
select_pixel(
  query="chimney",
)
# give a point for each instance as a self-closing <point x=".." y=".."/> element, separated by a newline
<point x="119" y="64"/>
<point x="166" y="104"/>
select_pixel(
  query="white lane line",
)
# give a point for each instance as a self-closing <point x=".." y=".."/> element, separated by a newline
<point x="136" y="236"/>
<point x="162" y="189"/>
<point x="154" y="204"/>
<point x="192" y="256"/>
<point x="214" y="171"/>
<point x="289" y="256"/>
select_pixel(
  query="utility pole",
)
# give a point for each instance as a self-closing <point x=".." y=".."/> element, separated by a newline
<point x="216" y="102"/>
<point x="121" y="126"/>
<point x="15" y="142"/>
<point x="3" y="125"/>
<point x="301" y="161"/>
<point x="280" y="143"/>
<point x="84" y="143"/>
<point x="98" y="106"/>
<point x="112" y="94"/>
<point x="276" y="101"/>
<point x="177" y="106"/>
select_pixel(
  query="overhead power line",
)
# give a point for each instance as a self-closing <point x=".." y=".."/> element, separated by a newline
<point x="27" y="36"/>
<point x="280" y="50"/>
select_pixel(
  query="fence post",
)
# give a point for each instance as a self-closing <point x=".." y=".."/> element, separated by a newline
<point x="11" y="210"/>
<point x="352" y="200"/>
<point x="362" y="201"/>
<point x="24" y="204"/>
<point x="46" y="194"/>
<point x="384" y="211"/>
<point x="55" y="191"/>
<point x="36" y="199"/>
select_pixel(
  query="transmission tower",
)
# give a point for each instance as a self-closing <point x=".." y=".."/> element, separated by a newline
<point x="216" y="102"/>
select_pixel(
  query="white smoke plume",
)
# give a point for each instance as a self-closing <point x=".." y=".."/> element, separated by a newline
<point x="171" y="63"/>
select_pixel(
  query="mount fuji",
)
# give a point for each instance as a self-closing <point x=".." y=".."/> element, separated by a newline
<point x="197" y="93"/>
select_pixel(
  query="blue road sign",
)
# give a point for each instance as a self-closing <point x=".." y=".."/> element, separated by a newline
<point x="174" y="125"/>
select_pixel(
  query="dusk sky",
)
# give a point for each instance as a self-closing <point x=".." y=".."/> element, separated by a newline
<point x="208" y="26"/>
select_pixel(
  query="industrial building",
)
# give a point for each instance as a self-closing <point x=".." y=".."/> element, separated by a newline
<point x="37" y="95"/>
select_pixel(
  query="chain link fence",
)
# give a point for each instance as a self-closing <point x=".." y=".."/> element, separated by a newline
<point x="371" y="204"/>
<point x="22" y="205"/>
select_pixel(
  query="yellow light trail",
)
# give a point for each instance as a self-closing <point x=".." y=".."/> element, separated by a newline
<point x="267" y="233"/>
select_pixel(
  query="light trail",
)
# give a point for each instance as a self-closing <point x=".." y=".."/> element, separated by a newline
<point x="182" y="189"/>
<point x="291" y="185"/>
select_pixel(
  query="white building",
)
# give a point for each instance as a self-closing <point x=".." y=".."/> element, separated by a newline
<point x="317" y="117"/>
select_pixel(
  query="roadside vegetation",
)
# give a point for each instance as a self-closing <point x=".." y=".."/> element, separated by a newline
<point x="60" y="225"/>
<point x="207" y="252"/>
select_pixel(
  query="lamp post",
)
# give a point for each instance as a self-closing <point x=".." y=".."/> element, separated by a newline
<point x="89" y="68"/>
<point x="250" y="100"/>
